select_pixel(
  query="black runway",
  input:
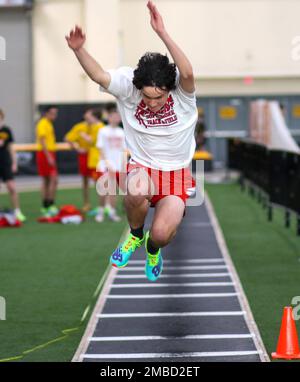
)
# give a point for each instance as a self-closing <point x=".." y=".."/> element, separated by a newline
<point x="191" y="314"/>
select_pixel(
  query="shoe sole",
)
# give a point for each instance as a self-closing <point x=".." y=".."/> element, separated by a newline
<point x="119" y="266"/>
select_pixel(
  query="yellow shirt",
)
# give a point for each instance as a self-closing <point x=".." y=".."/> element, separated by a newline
<point x="44" y="128"/>
<point x="93" y="154"/>
<point x="74" y="134"/>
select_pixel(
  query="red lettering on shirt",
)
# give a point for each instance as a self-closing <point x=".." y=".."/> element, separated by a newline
<point x="163" y="118"/>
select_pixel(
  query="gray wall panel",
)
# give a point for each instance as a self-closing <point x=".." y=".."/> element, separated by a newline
<point x="16" y="73"/>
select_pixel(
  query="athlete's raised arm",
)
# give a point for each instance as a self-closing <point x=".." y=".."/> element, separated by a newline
<point x="184" y="66"/>
<point x="76" y="40"/>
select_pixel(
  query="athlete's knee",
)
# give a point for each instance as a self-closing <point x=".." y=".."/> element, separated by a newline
<point x="162" y="234"/>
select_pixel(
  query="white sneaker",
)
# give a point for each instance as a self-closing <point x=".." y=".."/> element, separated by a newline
<point x="100" y="216"/>
<point x="114" y="217"/>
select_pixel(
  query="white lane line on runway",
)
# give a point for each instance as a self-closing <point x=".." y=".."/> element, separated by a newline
<point x="159" y="285"/>
<point x="171" y="314"/>
<point x="187" y="275"/>
<point x="181" y="295"/>
<point x="192" y="267"/>
<point x="189" y="337"/>
<point x="170" y="355"/>
<point x="196" y="261"/>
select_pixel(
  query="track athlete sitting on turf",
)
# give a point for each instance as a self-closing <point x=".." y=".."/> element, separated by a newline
<point x="158" y="109"/>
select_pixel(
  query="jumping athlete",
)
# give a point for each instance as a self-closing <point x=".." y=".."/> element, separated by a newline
<point x="157" y="104"/>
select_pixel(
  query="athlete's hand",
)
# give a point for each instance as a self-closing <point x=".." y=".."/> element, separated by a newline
<point x="76" y="38"/>
<point x="156" y="19"/>
<point x="81" y="150"/>
<point x="86" y="137"/>
<point x="51" y="161"/>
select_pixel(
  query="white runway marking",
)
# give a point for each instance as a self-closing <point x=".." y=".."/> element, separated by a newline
<point x="171" y="285"/>
<point x="187" y="275"/>
<point x="192" y="267"/>
<point x="183" y="295"/>
<point x="189" y="337"/>
<point x="196" y="261"/>
<point x="179" y="314"/>
<point x="170" y="355"/>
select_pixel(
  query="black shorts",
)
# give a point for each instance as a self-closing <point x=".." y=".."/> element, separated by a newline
<point x="6" y="173"/>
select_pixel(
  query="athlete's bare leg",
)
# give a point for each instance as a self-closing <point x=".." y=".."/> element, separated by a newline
<point x="167" y="217"/>
<point x="136" y="210"/>
<point x="45" y="187"/>
<point x="85" y="190"/>
<point x="52" y="187"/>
<point x="136" y="201"/>
<point x="112" y="200"/>
<point x="11" y="188"/>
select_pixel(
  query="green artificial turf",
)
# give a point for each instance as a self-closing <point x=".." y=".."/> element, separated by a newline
<point x="266" y="256"/>
<point x="48" y="275"/>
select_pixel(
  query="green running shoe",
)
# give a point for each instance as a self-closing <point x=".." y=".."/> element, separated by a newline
<point x="94" y="212"/>
<point x="45" y="213"/>
<point x="121" y="255"/>
<point x="20" y="216"/>
<point x="53" y="210"/>
<point x="154" y="263"/>
<point x="106" y="211"/>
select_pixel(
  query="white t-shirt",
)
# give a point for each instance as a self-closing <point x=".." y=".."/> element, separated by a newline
<point x="111" y="141"/>
<point x="163" y="140"/>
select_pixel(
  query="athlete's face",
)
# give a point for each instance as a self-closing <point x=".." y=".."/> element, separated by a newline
<point x="88" y="117"/>
<point x="114" y="118"/>
<point x="52" y="114"/>
<point x="154" y="98"/>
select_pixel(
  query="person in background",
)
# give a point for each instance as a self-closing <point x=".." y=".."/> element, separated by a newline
<point x="9" y="166"/>
<point x="199" y="131"/>
<point x="94" y="118"/>
<point x="79" y="139"/>
<point x="46" y="160"/>
<point x="111" y="144"/>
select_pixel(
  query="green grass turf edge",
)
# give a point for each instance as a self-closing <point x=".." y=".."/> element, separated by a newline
<point x="48" y="275"/>
<point x="266" y="256"/>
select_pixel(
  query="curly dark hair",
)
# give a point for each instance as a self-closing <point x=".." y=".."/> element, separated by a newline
<point x="155" y="69"/>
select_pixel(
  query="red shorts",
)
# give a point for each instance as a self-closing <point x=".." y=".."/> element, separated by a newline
<point x="177" y="182"/>
<point x="82" y="164"/>
<point x="43" y="167"/>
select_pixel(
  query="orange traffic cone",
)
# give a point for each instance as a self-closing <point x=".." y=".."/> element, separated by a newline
<point x="287" y="347"/>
